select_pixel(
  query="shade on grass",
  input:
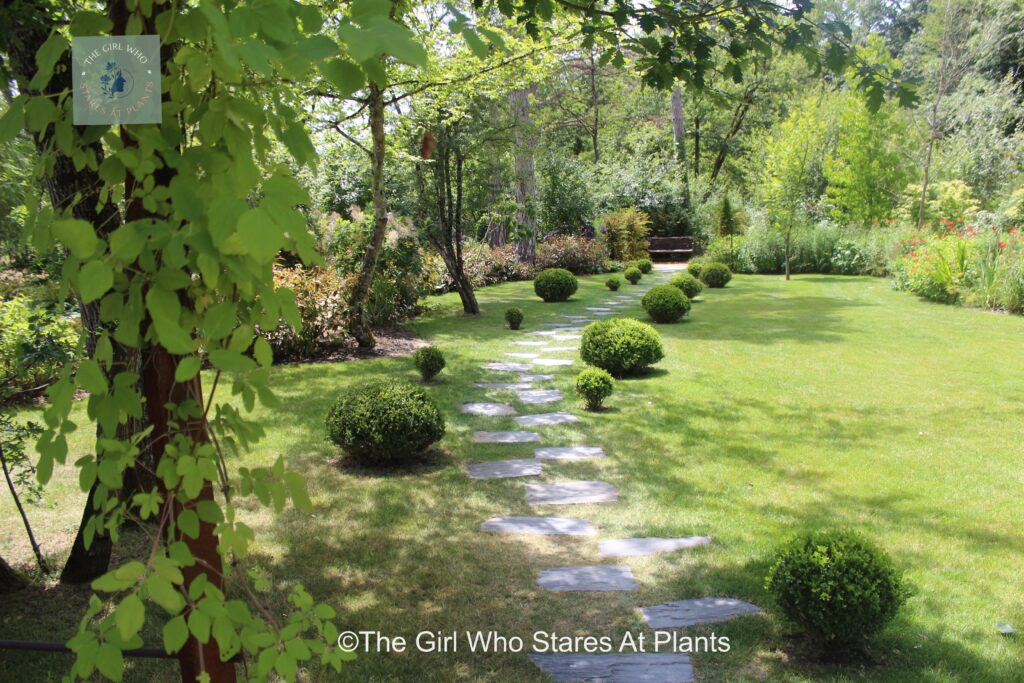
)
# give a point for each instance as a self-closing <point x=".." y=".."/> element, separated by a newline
<point x="779" y="407"/>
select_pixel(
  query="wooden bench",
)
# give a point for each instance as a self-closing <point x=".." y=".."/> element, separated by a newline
<point x="671" y="247"/>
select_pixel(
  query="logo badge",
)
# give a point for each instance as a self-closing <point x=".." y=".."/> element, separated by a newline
<point x="116" y="79"/>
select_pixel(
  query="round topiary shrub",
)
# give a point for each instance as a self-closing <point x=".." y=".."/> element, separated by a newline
<point x="665" y="304"/>
<point x="514" y="318"/>
<point x="621" y="346"/>
<point x="429" y="361"/>
<point x="632" y="274"/>
<point x="694" y="266"/>
<point x="645" y="265"/>
<point x="384" y="422"/>
<point x="613" y="283"/>
<point x="594" y="385"/>
<point x="687" y="284"/>
<point x="555" y="284"/>
<point x="836" y="586"/>
<point x="715" y="275"/>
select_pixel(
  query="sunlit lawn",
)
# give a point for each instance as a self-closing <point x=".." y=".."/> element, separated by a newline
<point x="780" y="406"/>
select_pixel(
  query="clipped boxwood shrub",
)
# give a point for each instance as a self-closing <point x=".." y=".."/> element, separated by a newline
<point x="665" y="304"/>
<point x="715" y="274"/>
<point x="613" y="283"/>
<point x="839" y="588"/>
<point x="632" y="274"/>
<point x="555" y="284"/>
<point x="695" y="265"/>
<point x="622" y="346"/>
<point x="514" y="318"/>
<point x="384" y="422"/>
<point x="594" y="385"/>
<point x="687" y="284"/>
<point x="644" y="264"/>
<point x="429" y="361"/>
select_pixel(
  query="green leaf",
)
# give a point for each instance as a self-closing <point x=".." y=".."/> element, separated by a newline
<point x="110" y="661"/>
<point x="77" y="235"/>
<point x="296" y="484"/>
<point x="188" y="522"/>
<point x="345" y="76"/>
<point x="260" y="234"/>
<point x="13" y="119"/>
<point x="94" y="280"/>
<point x="199" y="625"/>
<point x="88" y="23"/>
<point x="220" y="320"/>
<point x="129" y="616"/>
<point x="175" y="634"/>
<point x="90" y="377"/>
<point x="163" y="593"/>
<point x="231" y="361"/>
<point x="187" y="368"/>
<point x="363" y="10"/>
<point x="46" y="59"/>
<point x="40" y="111"/>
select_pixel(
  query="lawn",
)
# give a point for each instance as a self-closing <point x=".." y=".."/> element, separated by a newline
<point x="780" y="407"/>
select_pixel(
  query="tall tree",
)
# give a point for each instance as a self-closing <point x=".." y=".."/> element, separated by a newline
<point x="525" y="172"/>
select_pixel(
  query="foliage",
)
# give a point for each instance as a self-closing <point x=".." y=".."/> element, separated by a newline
<point x="578" y="255"/>
<point x="555" y="284"/>
<point x="14" y="439"/>
<point x="624" y="233"/>
<point x="613" y="283"/>
<point x="839" y="588"/>
<point x="632" y="274"/>
<point x="35" y="347"/>
<point x="514" y="317"/>
<point x="644" y="264"/>
<point x="384" y="422"/>
<point x="320" y="300"/>
<point x="715" y="275"/>
<point x="610" y="266"/>
<point x="594" y="385"/>
<point x="728" y="250"/>
<point x="690" y="286"/>
<point x="695" y="265"/>
<point x="429" y="362"/>
<point x="566" y="204"/>
<point x="621" y="346"/>
<point x="665" y="303"/>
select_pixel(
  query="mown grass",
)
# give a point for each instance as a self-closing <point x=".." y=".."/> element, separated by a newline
<point x="780" y="407"/>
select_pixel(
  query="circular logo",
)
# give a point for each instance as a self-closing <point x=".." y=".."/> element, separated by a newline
<point x="116" y="80"/>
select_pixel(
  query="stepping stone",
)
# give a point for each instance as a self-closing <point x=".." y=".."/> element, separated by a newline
<point x="683" y="613"/>
<point x="579" y="318"/>
<point x="509" y="386"/>
<point x="546" y="526"/>
<point x="519" y="354"/>
<point x="533" y="396"/>
<point x="655" y="667"/>
<point x="570" y="492"/>
<point x="491" y="409"/>
<point x="547" y="362"/>
<point x="535" y="378"/>
<point x="598" y="309"/>
<point x="605" y="313"/>
<point x="505" y="437"/>
<point x="569" y="324"/>
<point x="548" y="333"/>
<point x="543" y="419"/>
<point x="568" y="452"/>
<point x="502" y="469"/>
<point x="637" y="547"/>
<point x="558" y="349"/>
<point x="567" y="337"/>
<point x="530" y="343"/>
<point x="596" y="578"/>
<point x="506" y="367"/>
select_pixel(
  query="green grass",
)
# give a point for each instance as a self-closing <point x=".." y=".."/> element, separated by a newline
<point x="780" y="407"/>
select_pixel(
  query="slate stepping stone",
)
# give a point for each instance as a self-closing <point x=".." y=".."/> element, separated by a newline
<point x="507" y="386"/>
<point x="535" y="378"/>
<point x="637" y="547"/>
<point x="558" y="349"/>
<point x="567" y="337"/>
<point x="545" y="526"/>
<point x="654" y="667"/>
<point x="683" y="613"/>
<point x="605" y="313"/>
<point x="595" y="578"/>
<point x="534" y="396"/>
<point x="491" y="409"/>
<point x="549" y="362"/>
<point x="570" y="492"/>
<point x="506" y="367"/>
<point x="573" y="317"/>
<point x="520" y="354"/>
<point x="529" y="343"/>
<point x="543" y="419"/>
<point x="598" y="309"/>
<point x="545" y="333"/>
<point x="505" y="437"/>
<point x="568" y="452"/>
<point x="503" y="469"/>
<point x="568" y="324"/>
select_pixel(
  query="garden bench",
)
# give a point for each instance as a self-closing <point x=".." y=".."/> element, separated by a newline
<point x="671" y="247"/>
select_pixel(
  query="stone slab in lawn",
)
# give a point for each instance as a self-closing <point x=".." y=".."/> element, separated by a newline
<point x="507" y="386"/>
<point x="521" y="354"/>
<point x="568" y="324"/>
<point x="534" y="396"/>
<point x="605" y="313"/>
<point x="491" y="409"/>
<point x="529" y="343"/>
<point x="659" y="667"/>
<point x="683" y="613"/>
<point x="505" y="437"/>
<point x="506" y="367"/>
<point x="567" y="337"/>
<point x="535" y="378"/>
<point x="542" y="419"/>
<point x="570" y="492"/>
<point x="545" y="333"/>
<point x="557" y="349"/>
<point x="545" y="526"/>
<point x="503" y="469"/>
<point x="568" y="452"/>
<point x="637" y="547"/>
<point x="595" y="578"/>
<point x="568" y="316"/>
<point x="551" y="362"/>
<point x="598" y="309"/>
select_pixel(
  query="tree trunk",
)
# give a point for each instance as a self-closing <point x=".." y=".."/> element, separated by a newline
<point x="595" y="105"/>
<point x="696" y="146"/>
<point x="679" y="133"/>
<point x="10" y="580"/>
<point x="789" y="233"/>
<point x="526" y="177"/>
<point x="360" y="296"/>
